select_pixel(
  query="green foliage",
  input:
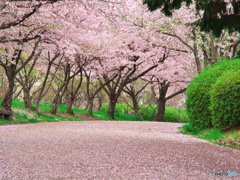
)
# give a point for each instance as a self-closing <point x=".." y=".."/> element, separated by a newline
<point x="1" y="103"/>
<point x="171" y="114"/>
<point x="238" y="54"/>
<point x="104" y="108"/>
<point x="148" y="112"/>
<point x="17" y="103"/>
<point x="190" y="129"/>
<point x="33" y="120"/>
<point x="225" y="100"/>
<point x="21" y="116"/>
<point x="213" y="134"/>
<point x="187" y="128"/>
<point x="62" y="108"/>
<point x="124" y="117"/>
<point x="207" y="134"/>
<point x="118" y="108"/>
<point x="208" y="22"/>
<point x="198" y="92"/>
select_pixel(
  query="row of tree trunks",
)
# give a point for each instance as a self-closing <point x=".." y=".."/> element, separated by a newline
<point x="42" y="93"/>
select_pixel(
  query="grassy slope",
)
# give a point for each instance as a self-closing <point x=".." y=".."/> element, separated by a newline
<point x="230" y="138"/>
<point x="22" y="115"/>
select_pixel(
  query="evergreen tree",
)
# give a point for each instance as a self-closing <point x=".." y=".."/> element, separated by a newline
<point x="218" y="14"/>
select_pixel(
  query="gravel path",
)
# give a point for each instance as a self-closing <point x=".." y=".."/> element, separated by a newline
<point x="110" y="150"/>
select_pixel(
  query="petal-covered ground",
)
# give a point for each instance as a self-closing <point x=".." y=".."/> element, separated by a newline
<point x="110" y="150"/>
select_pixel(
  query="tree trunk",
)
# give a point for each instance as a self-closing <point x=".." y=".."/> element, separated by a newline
<point x="196" y="52"/>
<point x="111" y="109"/>
<point x="56" y="101"/>
<point x="163" y="87"/>
<point x="135" y="105"/>
<point x="55" y="105"/>
<point x="7" y="100"/>
<point x="27" y="99"/>
<point x="213" y="52"/>
<point x="205" y="60"/>
<point x="100" y="103"/>
<point x="70" y="103"/>
<point x="160" y="110"/>
<point x="90" y="107"/>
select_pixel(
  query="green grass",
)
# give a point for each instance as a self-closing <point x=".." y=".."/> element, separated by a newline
<point x="229" y="139"/>
<point x="171" y="114"/>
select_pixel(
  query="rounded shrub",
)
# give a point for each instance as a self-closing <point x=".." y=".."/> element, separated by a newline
<point x="198" y="92"/>
<point x="225" y="100"/>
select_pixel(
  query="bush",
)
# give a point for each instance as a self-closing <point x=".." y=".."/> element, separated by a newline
<point x="171" y="114"/>
<point x="118" y="108"/>
<point x="33" y="120"/>
<point x="147" y="112"/>
<point x="198" y="92"/>
<point x="225" y="101"/>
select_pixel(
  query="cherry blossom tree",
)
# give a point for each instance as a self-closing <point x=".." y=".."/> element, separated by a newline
<point x="13" y="13"/>
<point x="129" y="42"/>
<point x="13" y="61"/>
<point x="204" y="46"/>
<point x="82" y="62"/>
<point x="96" y="88"/>
<point x="51" y="58"/>
<point x="27" y="77"/>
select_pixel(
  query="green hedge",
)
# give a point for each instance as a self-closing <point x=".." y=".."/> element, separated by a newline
<point x="225" y="100"/>
<point x="198" y="92"/>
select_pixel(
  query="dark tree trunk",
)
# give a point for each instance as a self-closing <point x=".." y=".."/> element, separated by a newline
<point x="162" y="87"/>
<point x="72" y="95"/>
<point x="55" y="105"/>
<point x="112" y="105"/>
<point x="160" y="110"/>
<point x="7" y="100"/>
<point x="70" y="103"/>
<point x="56" y="101"/>
<point x="135" y="105"/>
